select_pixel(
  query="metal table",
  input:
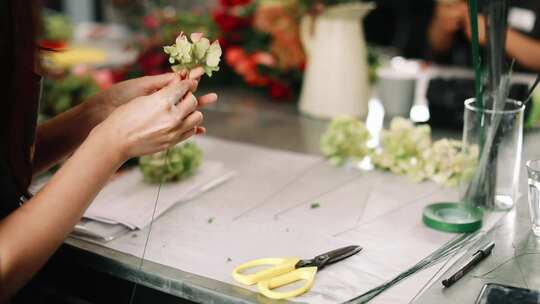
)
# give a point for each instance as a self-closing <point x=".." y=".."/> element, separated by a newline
<point x="248" y="116"/>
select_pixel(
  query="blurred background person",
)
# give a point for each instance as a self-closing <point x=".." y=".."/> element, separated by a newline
<point x="449" y="34"/>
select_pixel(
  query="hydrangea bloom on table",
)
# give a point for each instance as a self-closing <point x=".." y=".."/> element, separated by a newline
<point x="402" y="147"/>
<point x="446" y="162"/>
<point x="186" y="54"/>
<point x="346" y="138"/>
<point x="178" y="163"/>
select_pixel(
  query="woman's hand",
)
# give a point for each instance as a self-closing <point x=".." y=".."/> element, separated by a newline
<point x="449" y="17"/>
<point x="152" y="123"/>
<point x="105" y="102"/>
<point x="481" y="29"/>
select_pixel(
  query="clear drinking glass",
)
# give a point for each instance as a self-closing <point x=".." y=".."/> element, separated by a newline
<point x="533" y="170"/>
<point x="496" y="136"/>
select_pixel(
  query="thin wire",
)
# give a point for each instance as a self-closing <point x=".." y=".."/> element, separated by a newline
<point x="440" y="254"/>
<point x="134" y="289"/>
<point x="531" y="90"/>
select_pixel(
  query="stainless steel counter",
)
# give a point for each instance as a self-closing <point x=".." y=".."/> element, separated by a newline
<point x="250" y="117"/>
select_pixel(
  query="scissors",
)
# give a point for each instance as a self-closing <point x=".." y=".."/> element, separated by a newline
<point x="285" y="271"/>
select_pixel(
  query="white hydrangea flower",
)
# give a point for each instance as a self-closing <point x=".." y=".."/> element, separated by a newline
<point x="346" y="138"/>
<point x="448" y="163"/>
<point x="405" y="149"/>
<point x="186" y="55"/>
<point x="401" y="148"/>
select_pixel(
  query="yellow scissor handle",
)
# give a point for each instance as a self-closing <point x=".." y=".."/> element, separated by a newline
<point x="278" y="267"/>
<point x="307" y="274"/>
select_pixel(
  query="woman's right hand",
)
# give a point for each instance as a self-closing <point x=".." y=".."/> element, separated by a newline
<point x="449" y="17"/>
<point x="152" y="123"/>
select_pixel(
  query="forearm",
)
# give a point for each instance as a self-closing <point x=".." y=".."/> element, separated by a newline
<point x="60" y="136"/>
<point x="525" y="50"/>
<point x="32" y="233"/>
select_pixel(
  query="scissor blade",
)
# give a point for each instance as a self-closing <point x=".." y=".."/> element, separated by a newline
<point x="331" y="257"/>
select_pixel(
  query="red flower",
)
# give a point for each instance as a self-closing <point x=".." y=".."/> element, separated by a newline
<point x="233" y="55"/>
<point x="228" y="23"/>
<point x="230" y="3"/>
<point x="252" y="78"/>
<point x="103" y="78"/>
<point x="152" y="62"/>
<point x="279" y="90"/>
<point x="245" y="66"/>
<point x="264" y="58"/>
<point x="119" y="75"/>
<point x="235" y="37"/>
<point x="53" y="45"/>
<point x="151" y="22"/>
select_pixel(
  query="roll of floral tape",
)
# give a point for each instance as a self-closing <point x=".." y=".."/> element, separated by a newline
<point x="453" y="217"/>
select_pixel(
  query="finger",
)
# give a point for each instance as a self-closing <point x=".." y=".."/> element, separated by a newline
<point x="192" y="121"/>
<point x="183" y="136"/>
<point x="188" y="105"/>
<point x="143" y="86"/>
<point x="207" y="100"/>
<point x="200" y="130"/>
<point x="173" y="92"/>
<point x="183" y="74"/>
<point x="196" y="73"/>
<point x="150" y="84"/>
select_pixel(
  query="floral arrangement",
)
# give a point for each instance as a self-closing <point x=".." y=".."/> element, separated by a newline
<point x="404" y="149"/>
<point x="262" y="43"/>
<point x="176" y="164"/>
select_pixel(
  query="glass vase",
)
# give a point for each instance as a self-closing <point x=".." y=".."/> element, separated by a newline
<point x="496" y="138"/>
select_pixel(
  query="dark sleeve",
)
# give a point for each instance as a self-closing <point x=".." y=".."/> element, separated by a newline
<point x="9" y="196"/>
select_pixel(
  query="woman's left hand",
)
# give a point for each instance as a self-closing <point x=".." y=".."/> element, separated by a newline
<point x="481" y="29"/>
<point x="103" y="103"/>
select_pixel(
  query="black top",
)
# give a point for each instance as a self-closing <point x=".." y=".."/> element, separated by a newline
<point x="523" y="16"/>
<point x="11" y="196"/>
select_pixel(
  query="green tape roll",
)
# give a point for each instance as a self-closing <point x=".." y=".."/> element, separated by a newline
<point x="453" y="217"/>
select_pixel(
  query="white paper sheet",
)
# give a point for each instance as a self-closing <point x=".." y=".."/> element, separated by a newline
<point x="128" y="200"/>
<point x="266" y="212"/>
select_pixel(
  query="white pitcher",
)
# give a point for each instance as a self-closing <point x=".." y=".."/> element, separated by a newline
<point x="336" y="80"/>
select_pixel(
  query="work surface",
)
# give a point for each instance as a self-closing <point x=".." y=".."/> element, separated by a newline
<point x="282" y="223"/>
